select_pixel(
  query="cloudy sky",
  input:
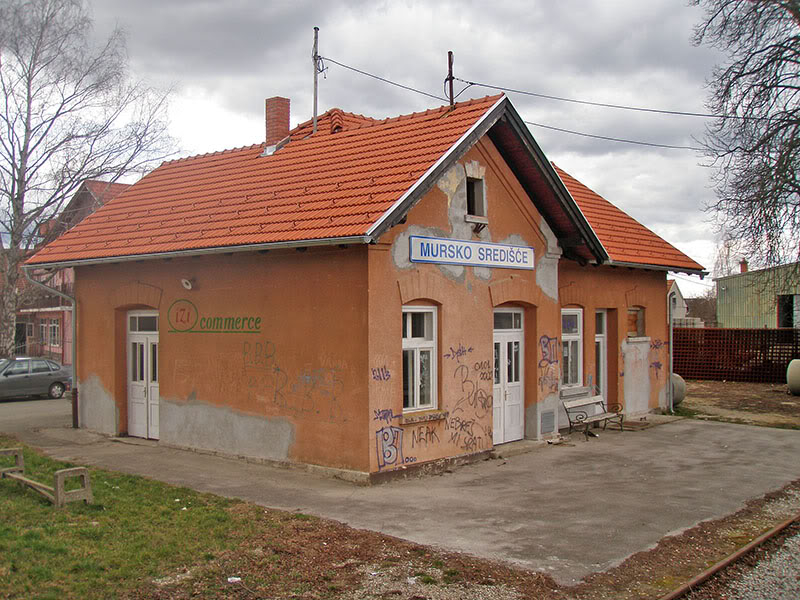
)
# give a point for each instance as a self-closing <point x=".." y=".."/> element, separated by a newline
<point x="224" y="58"/>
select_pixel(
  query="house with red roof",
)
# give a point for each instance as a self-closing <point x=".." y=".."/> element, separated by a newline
<point x="44" y="323"/>
<point x="373" y="296"/>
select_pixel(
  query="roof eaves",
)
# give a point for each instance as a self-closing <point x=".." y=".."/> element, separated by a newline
<point x="359" y="239"/>
<point x="651" y="267"/>
<point x="607" y="257"/>
<point x="557" y="185"/>
<point x="403" y="204"/>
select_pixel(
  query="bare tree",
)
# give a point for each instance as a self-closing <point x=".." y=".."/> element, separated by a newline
<point x="755" y="142"/>
<point x="69" y="112"/>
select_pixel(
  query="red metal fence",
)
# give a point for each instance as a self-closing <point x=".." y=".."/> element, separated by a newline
<point x="757" y="355"/>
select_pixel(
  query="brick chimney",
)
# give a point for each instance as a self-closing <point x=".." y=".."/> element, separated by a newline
<point x="743" y="266"/>
<point x="277" y="116"/>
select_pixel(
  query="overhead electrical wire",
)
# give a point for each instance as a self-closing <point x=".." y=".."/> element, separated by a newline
<point x="680" y="113"/>
<point x="560" y="129"/>
<point x="613" y="139"/>
<point x="390" y="82"/>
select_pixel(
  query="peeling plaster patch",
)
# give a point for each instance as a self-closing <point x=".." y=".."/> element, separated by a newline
<point x="207" y="427"/>
<point x="96" y="407"/>
<point x="400" y="246"/>
<point x="475" y="170"/>
<point x="457" y="202"/>
<point x="400" y="251"/>
<point x="547" y="265"/>
<point x="448" y="182"/>
<point x="635" y="359"/>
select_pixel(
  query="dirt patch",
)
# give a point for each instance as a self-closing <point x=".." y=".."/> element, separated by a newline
<point x="764" y="404"/>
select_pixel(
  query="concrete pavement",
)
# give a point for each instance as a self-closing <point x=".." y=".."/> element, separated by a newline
<point x="568" y="510"/>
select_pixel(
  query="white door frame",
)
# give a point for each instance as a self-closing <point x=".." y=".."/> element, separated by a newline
<point x="601" y="366"/>
<point x="509" y="378"/>
<point x="142" y="376"/>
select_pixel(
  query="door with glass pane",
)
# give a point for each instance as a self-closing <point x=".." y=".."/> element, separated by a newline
<point x="142" y="355"/>
<point x="508" y="398"/>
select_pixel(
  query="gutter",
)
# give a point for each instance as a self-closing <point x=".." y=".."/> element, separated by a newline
<point x="614" y="263"/>
<point x="73" y="303"/>
<point x="354" y="239"/>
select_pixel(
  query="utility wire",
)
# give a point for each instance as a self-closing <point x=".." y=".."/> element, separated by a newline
<point x="613" y="139"/>
<point x="400" y="85"/>
<point x="680" y="113"/>
<point x="562" y="130"/>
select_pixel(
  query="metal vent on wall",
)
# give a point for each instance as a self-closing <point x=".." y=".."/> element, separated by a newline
<point x="548" y="421"/>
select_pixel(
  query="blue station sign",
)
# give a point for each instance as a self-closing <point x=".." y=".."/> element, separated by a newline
<point x="473" y="254"/>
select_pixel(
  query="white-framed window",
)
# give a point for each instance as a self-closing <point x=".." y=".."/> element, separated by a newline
<point x="142" y="323"/>
<point x="55" y="332"/>
<point x="419" y="358"/>
<point x="571" y="347"/>
<point x="29" y="330"/>
<point x="43" y="331"/>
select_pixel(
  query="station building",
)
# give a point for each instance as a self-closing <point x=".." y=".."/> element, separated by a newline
<point x="371" y="296"/>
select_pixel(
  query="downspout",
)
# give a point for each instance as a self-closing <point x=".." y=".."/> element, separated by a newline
<point x="673" y="298"/>
<point x="73" y="303"/>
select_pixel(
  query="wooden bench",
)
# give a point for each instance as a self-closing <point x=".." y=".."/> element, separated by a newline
<point x="578" y="413"/>
<point x="56" y="494"/>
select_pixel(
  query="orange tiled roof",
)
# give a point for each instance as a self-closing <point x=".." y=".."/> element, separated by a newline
<point x="624" y="238"/>
<point x="333" y="184"/>
<point x="104" y="191"/>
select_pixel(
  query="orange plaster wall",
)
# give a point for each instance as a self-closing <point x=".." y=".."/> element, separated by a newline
<point x="465" y="298"/>
<point x="300" y="379"/>
<point x="617" y="289"/>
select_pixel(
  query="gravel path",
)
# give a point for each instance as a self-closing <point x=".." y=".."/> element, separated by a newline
<point x="777" y="576"/>
<point x="772" y="572"/>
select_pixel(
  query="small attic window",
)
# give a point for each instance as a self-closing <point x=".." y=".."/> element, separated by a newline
<point x="476" y="202"/>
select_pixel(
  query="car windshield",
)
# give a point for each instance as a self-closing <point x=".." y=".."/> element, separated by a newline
<point x="3" y="363"/>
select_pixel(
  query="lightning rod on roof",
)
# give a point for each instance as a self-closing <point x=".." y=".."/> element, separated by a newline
<point x="315" y="60"/>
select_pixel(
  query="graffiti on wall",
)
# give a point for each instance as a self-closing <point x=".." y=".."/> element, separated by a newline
<point x="654" y="361"/>
<point x="381" y="373"/>
<point x="468" y="434"/>
<point x="458" y="353"/>
<point x="472" y="395"/>
<point x="549" y="375"/>
<point x="314" y="392"/>
<point x="424" y="435"/>
<point x="657" y="349"/>
<point x="386" y="415"/>
<point x="390" y="447"/>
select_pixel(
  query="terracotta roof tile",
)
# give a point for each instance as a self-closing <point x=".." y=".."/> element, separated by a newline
<point x="104" y="191"/>
<point x="624" y="238"/>
<point x="334" y="183"/>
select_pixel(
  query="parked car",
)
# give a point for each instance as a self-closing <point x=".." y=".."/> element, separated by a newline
<point x="32" y="377"/>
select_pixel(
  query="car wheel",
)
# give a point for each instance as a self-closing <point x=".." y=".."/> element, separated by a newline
<point x="56" y="390"/>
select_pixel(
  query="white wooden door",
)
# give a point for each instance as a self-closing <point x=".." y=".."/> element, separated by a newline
<point x="143" y="396"/>
<point x="509" y="381"/>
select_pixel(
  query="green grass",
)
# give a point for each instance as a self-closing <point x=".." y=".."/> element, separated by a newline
<point x="684" y="411"/>
<point x="135" y="530"/>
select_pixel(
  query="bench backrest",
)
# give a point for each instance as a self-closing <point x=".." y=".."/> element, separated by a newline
<point x="580" y="402"/>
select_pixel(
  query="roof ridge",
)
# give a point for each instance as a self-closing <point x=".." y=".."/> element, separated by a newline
<point x="213" y="153"/>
